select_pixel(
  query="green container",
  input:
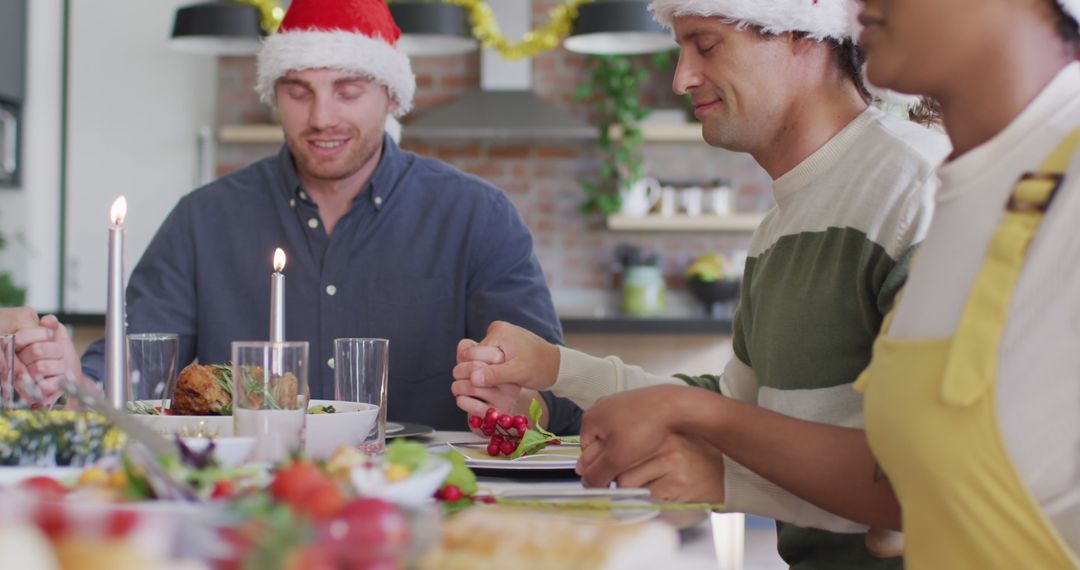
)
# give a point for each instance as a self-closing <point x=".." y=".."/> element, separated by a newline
<point x="644" y="292"/>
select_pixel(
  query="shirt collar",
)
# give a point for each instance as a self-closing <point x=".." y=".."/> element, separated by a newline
<point x="382" y="184"/>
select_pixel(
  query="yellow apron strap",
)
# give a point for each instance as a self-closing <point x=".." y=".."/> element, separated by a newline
<point x="972" y="362"/>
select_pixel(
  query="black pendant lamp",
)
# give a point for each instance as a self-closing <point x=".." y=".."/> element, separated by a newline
<point x="218" y="28"/>
<point x="432" y="28"/>
<point x="617" y="27"/>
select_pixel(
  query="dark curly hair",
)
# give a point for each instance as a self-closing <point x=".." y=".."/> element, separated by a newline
<point x="1067" y="27"/>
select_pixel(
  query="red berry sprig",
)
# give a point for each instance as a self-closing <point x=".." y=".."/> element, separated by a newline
<point x="505" y="431"/>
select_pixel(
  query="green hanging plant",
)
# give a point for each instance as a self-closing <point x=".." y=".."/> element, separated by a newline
<point x="10" y="294"/>
<point x="614" y="85"/>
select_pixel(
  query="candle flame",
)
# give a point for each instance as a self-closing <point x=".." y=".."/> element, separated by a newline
<point x="118" y="210"/>
<point x="279" y="260"/>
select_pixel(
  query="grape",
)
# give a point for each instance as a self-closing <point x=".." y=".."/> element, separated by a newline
<point x="475" y="422"/>
<point x="493" y="449"/>
<point x="491" y="415"/>
<point x="487" y="430"/>
<point x="505" y="421"/>
<point x="507" y="448"/>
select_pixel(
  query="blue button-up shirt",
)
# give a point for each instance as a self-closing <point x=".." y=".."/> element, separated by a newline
<point x="426" y="256"/>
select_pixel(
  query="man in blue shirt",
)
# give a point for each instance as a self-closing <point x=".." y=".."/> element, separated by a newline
<point x="379" y="242"/>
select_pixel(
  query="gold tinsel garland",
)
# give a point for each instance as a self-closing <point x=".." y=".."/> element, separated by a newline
<point x="485" y="27"/>
<point x="270" y="11"/>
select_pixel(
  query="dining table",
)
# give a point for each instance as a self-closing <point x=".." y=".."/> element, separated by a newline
<point x="708" y="540"/>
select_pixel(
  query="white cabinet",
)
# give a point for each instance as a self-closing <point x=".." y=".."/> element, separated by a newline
<point x="134" y="110"/>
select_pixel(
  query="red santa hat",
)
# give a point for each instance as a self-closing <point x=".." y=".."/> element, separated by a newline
<point x="819" y="19"/>
<point x="350" y="35"/>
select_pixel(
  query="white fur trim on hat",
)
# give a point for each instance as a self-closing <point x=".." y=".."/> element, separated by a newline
<point x="819" y="19"/>
<point x="335" y="49"/>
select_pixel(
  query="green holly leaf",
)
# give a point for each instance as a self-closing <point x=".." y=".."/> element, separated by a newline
<point x="532" y="442"/>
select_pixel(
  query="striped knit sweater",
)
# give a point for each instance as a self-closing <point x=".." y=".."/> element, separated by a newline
<point x="822" y="271"/>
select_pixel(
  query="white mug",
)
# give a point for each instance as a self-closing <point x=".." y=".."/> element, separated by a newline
<point x="720" y="200"/>
<point x="667" y="201"/>
<point x="691" y="200"/>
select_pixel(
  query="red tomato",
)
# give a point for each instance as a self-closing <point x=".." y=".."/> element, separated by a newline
<point x="294" y="481"/>
<point x="321" y="502"/>
<point x="223" y="489"/>
<point x="366" y="530"/>
<point x="44" y="487"/>
<point x="52" y="520"/>
<point x="120" y="523"/>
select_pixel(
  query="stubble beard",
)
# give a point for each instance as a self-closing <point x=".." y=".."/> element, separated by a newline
<point x="362" y="150"/>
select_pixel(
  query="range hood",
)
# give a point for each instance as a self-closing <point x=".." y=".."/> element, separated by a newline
<point x="518" y="114"/>
<point x="505" y="107"/>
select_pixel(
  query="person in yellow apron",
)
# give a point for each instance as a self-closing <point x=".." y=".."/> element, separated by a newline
<point x="973" y="392"/>
<point x="973" y="395"/>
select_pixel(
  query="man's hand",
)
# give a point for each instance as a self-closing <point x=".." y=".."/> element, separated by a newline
<point x="48" y="355"/>
<point x="508" y="355"/>
<point x="683" y="470"/>
<point x="14" y="319"/>
<point x="624" y="430"/>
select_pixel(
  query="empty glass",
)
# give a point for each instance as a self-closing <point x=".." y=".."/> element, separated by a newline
<point x="270" y="396"/>
<point x="360" y="371"/>
<point x="151" y="367"/>
<point x="7" y="370"/>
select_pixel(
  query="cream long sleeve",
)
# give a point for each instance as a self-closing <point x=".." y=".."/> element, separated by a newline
<point x="584" y="379"/>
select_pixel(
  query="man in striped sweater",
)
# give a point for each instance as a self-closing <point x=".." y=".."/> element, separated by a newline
<point x="779" y="79"/>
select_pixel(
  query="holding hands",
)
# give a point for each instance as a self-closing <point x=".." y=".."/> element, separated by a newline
<point x="505" y="370"/>
<point x="44" y="354"/>
<point x="633" y="439"/>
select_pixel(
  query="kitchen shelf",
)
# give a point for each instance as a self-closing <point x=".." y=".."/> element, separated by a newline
<point x="679" y="132"/>
<point x="271" y="134"/>
<point x="684" y="223"/>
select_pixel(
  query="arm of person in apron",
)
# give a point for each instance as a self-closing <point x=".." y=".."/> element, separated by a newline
<point x="828" y="466"/>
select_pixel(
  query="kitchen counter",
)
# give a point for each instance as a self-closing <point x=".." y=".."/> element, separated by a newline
<point x="645" y="325"/>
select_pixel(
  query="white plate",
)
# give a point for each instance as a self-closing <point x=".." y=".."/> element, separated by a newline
<point x="325" y="433"/>
<point x="393" y="427"/>
<point x="551" y="458"/>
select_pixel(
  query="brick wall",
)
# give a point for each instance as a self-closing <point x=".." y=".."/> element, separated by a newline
<point x="543" y="179"/>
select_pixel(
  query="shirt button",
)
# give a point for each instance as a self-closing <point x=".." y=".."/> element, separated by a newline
<point x="313" y="223"/>
<point x="378" y="200"/>
<point x="303" y="196"/>
<point x="331" y="290"/>
<point x="292" y="202"/>
<point x="330" y="363"/>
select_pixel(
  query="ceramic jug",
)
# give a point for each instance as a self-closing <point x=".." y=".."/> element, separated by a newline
<point x="639" y="197"/>
<point x="644" y="291"/>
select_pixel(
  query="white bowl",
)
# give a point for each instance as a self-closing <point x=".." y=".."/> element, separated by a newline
<point x="188" y="426"/>
<point x="349" y="425"/>
<point x="414" y="491"/>
<point x="325" y="433"/>
<point x="229" y="451"/>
